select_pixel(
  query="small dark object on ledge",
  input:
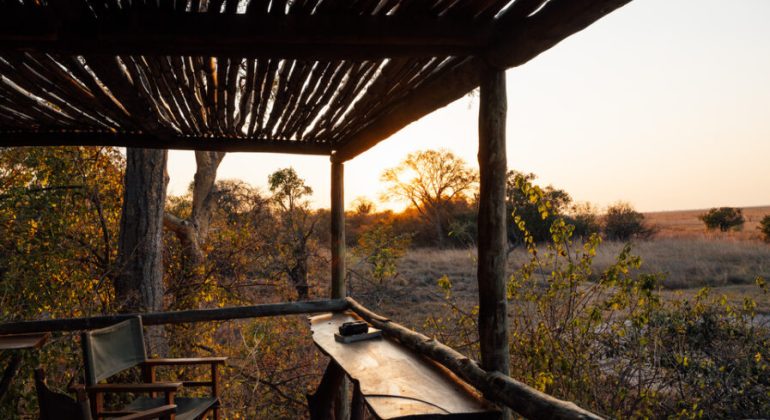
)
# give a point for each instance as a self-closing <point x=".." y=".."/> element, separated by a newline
<point x="353" y="328"/>
<point x="369" y="334"/>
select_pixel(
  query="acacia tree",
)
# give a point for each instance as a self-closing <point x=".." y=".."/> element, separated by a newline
<point x="296" y="224"/>
<point x="430" y="181"/>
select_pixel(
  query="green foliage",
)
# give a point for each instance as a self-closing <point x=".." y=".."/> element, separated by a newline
<point x="622" y="223"/>
<point x="519" y="194"/>
<point x="288" y="188"/>
<point x="59" y="220"/>
<point x="381" y="249"/>
<point x="608" y="341"/>
<point x="723" y="218"/>
<point x="290" y="240"/>
<point x="764" y="227"/>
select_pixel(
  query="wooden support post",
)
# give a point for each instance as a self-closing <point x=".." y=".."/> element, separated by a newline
<point x="338" y="230"/>
<point x="342" y="397"/>
<point x="321" y="403"/>
<point x="358" y="406"/>
<point x="493" y="319"/>
<point x="9" y="373"/>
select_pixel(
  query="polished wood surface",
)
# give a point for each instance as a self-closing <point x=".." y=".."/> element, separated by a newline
<point x="23" y="341"/>
<point x="394" y="381"/>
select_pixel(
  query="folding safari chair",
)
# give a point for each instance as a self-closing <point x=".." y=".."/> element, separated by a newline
<point x="108" y="351"/>
<point x="57" y="406"/>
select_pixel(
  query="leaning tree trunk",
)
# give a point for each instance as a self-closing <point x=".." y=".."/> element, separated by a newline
<point x="193" y="231"/>
<point x="139" y="281"/>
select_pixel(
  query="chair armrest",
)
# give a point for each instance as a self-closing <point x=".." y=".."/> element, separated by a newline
<point x="151" y="413"/>
<point x="185" y="361"/>
<point x="80" y="392"/>
<point x="152" y="387"/>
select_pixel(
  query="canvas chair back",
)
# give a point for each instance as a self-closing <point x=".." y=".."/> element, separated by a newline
<point x="109" y="350"/>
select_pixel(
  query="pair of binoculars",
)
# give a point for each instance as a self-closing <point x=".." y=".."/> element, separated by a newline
<point x="353" y="328"/>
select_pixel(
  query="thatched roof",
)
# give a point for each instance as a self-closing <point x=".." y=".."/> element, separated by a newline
<point x="295" y="76"/>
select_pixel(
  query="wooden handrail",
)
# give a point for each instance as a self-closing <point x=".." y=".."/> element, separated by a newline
<point x="497" y="387"/>
<point x="178" y="317"/>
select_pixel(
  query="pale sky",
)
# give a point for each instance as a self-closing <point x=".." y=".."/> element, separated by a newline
<point x="664" y="104"/>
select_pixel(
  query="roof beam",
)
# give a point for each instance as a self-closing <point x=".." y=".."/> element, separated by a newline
<point x="148" y="141"/>
<point x="520" y="39"/>
<point x="134" y="32"/>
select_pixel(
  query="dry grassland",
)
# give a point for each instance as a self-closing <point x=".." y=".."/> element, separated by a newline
<point x="685" y="224"/>
<point x="685" y="255"/>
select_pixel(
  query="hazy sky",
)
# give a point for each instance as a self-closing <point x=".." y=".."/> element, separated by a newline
<point x="664" y="104"/>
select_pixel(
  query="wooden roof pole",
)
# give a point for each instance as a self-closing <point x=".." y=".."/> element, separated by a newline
<point x="342" y="393"/>
<point x="492" y="238"/>
<point x="338" y="230"/>
<point x="150" y="141"/>
<point x="330" y="37"/>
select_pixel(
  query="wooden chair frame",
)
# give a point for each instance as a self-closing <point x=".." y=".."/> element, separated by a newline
<point x="150" y="385"/>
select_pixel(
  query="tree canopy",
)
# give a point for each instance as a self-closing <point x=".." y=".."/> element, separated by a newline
<point x="430" y="180"/>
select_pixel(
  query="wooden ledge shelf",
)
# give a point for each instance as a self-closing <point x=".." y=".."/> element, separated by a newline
<point x="396" y="382"/>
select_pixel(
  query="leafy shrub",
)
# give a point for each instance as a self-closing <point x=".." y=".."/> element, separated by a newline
<point x="610" y="343"/>
<point x="764" y="227"/>
<point x="724" y="218"/>
<point x="537" y="220"/>
<point x="622" y="223"/>
<point x="381" y="249"/>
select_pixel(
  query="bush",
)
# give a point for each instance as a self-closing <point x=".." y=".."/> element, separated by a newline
<point x="611" y="343"/>
<point x="583" y="218"/>
<point x="724" y="218"/>
<point x="380" y="249"/>
<point x="521" y="206"/>
<point x="764" y="227"/>
<point x="623" y="223"/>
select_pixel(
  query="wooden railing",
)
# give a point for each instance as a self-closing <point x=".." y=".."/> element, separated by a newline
<point x="178" y="317"/>
<point x="495" y="386"/>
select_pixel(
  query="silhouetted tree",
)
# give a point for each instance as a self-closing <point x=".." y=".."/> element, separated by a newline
<point x="622" y="222"/>
<point x="724" y="218"/>
<point x="764" y="227"/>
<point x="296" y="226"/>
<point x="430" y="181"/>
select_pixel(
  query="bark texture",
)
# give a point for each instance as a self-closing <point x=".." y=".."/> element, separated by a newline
<point x="493" y="319"/>
<point x="139" y="282"/>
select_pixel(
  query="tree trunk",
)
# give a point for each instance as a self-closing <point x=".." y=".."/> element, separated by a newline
<point x="439" y="230"/>
<point x="193" y="231"/>
<point x="298" y="275"/>
<point x="139" y="281"/>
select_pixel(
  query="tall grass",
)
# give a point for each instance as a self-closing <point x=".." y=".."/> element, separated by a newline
<point x="684" y="262"/>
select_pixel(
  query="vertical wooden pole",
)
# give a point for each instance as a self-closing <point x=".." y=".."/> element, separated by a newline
<point x="342" y="396"/>
<point x="493" y="320"/>
<point x="338" y="230"/>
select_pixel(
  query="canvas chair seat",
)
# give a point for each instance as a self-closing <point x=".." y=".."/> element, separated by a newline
<point x="110" y="350"/>
<point x="186" y="408"/>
